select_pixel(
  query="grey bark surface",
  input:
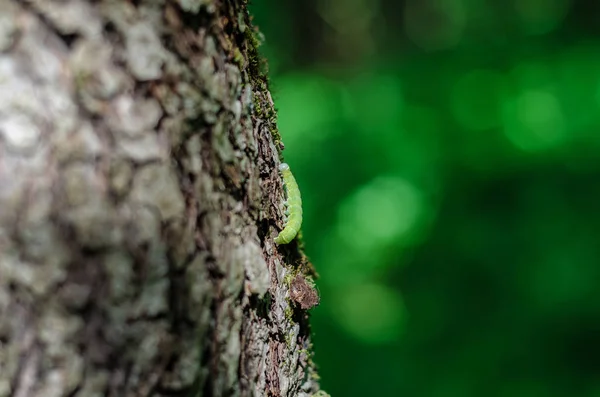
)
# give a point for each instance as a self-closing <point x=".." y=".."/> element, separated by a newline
<point x="139" y="198"/>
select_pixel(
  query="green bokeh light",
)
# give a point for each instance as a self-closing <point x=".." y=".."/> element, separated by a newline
<point x="380" y="213"/>
<point x="372" y="313"/>
<point x="534" y="121"/>
<point x="306" y="103"/>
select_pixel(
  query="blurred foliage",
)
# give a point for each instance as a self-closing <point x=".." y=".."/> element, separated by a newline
<point x="448" y="154"/>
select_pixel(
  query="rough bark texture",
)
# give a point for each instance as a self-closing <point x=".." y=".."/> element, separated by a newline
<point x="139" y="198"/>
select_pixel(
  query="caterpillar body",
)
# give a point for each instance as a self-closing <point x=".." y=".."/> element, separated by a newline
<point x="294" y="206"/>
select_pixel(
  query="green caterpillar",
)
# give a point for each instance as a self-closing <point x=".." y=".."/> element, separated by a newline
<point x="294" y="206"/>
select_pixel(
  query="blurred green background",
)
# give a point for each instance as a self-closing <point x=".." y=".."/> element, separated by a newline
<point x="448" y="154"/>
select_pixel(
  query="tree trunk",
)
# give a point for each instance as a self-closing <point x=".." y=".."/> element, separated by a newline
<point x="139" y="198"/>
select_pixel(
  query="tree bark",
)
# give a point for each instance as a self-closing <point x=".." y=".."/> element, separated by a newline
<point x="139" y="198"/>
